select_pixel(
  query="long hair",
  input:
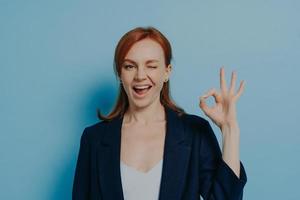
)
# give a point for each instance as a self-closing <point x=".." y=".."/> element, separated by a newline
<point x="122" y="48"/>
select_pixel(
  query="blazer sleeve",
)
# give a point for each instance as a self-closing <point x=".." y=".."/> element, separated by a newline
<point x="217" y="180"/>
<point x="81" y="178"/>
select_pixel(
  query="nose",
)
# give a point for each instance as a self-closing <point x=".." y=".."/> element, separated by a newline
<point x="140" y="74"/>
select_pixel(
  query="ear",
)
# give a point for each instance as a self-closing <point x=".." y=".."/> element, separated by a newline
<point x="168" y="71"/>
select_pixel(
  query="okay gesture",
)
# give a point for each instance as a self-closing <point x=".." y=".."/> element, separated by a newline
<point x="223" y="112"/>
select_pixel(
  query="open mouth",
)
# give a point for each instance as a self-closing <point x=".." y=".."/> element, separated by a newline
<point x="141" y="90"/>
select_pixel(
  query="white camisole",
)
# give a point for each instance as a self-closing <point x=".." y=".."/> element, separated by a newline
<point x="138" y="185"/>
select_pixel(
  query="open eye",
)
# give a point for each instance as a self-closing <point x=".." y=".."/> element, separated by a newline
<point x="127" y="66"/>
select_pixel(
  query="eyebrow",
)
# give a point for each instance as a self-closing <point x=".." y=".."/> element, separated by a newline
<point x="148" y="61"/>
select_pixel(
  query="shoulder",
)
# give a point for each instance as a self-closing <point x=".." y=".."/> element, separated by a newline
<point x="194" y="121"/>
<point x="94" y="131"/>
<point x="197" y="127"/>
<point x="201" y="132"/>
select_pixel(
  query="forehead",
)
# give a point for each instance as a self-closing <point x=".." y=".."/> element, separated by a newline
<point x="145" y="49"/>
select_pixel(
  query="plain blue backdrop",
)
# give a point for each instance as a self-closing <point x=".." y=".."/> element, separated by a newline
<point x="56" y="68"/>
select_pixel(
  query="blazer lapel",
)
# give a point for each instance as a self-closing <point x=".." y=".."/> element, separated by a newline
<point x="175" y="159"/>
<point x="108" y="162"/>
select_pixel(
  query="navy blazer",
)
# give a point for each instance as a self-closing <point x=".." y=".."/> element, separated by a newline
<point x="192" y="163"/>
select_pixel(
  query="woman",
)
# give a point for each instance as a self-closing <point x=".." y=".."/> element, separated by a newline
<point x="148" y="147"/>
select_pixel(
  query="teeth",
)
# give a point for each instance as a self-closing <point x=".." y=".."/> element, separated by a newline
<point x="141" y="87"/>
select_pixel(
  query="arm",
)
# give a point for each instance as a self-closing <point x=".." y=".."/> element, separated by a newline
<point x="223" y="114"/>
<point x="230" y="147"/>
<point x="217" y="179"/>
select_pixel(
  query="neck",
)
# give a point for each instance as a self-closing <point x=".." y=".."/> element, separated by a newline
<point x="149" y="114"/>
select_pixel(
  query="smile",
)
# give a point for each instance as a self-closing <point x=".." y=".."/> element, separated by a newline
<point x="141" y="91"/>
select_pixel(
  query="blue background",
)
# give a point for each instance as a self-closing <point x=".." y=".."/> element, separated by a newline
<point x="56" y="68"/>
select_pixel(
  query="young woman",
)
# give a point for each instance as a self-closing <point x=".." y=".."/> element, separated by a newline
<point x="148" y="148"/>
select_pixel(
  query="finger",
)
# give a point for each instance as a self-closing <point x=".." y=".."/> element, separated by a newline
<point x="222" y="80"/>
<point x="213" y="92"/>
<point x="203" y="105"/>
<point x="240" y="90"/>
<point x="232" y="82"/>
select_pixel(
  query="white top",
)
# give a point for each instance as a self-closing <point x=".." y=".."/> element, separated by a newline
<point x="138" y="185"/>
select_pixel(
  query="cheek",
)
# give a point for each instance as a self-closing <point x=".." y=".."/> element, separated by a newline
<point x="126" y="79"/>
<point x="125" y="84"/>
<point x="126" y="87"/>
<point x="157" y="77"/>
<point x="159" y="81"/>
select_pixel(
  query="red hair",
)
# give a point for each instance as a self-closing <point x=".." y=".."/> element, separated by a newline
<point x="123" y="46"/>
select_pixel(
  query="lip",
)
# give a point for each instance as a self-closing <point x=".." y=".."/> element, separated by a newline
<point x="139" y="96"/>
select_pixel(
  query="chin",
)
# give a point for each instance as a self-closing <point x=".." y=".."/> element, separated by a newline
<point x="141" y="104"/>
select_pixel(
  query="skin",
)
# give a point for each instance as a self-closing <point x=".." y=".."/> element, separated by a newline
<point x="223" y="114"/>
<point x="143" y="128"/>
<point x="141" y="146"/>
